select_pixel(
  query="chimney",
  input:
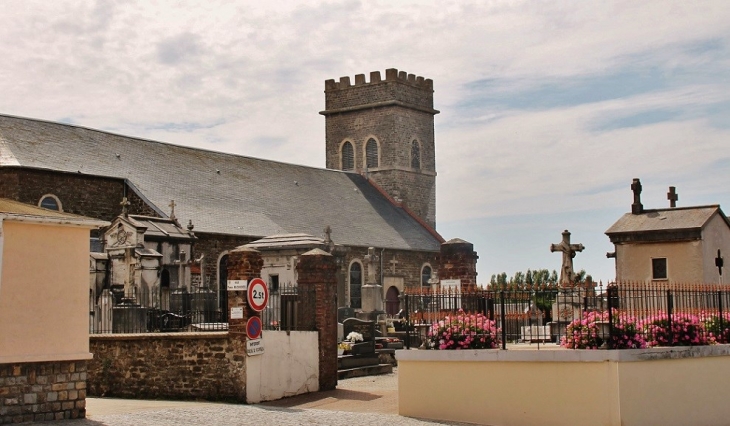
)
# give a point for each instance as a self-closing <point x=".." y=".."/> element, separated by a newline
<point x="636" y="207"/>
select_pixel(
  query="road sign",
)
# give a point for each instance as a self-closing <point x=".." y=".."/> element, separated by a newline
<point x="253" y="328"/>
<point x="236" y="285"/>
<point x="258" y="294"/>
<point x="254" y="347"/>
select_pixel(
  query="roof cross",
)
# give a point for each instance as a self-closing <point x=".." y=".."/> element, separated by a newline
<point x="172" y="209"/>
<point x="569" y="250"/>
<point x="672" y="196"/>
<point x="636" y="207"/>
<point x="125" y="204"/>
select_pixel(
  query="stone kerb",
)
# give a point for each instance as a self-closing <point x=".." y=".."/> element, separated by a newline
<point x="317" y="269"/>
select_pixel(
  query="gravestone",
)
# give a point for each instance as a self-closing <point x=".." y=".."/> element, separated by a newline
<point x="367" y="329"/>
<point x="568" y="303"/>
<point x="344" y="313"/>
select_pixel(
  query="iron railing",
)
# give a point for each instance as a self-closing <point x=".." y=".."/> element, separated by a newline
<point x="618" y="316"/>
<point x="141" y="311"/>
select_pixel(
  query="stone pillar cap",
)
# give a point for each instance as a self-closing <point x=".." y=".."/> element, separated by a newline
<point x="316" y="252"/>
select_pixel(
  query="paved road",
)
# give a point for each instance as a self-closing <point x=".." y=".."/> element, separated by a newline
<point x="364" y="401"/>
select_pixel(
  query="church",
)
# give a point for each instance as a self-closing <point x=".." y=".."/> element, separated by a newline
<point x="377" y="191"/>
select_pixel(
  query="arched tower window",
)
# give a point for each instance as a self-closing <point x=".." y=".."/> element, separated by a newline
<point x="425" y="275"/>
<point x="371" y="154"/>
<point x="348" y="156"/>
<point x="50" y="202"/>
<point x="415" y="155"/>
<point x="356" y="285"/>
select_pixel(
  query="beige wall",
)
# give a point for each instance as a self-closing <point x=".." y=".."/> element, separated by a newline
<point x="44" y="293"/>
<point x="661" y="386"/>
<point x="716" y="235"/>
<point x="684" y="261"/>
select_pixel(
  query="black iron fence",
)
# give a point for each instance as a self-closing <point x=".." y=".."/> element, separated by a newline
<point x="290" y="308"/>
<point x="143" y="311"/>
<point x="618" y="316"/>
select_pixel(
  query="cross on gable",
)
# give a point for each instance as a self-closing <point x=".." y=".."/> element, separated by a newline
<point x="719" y="262"/>
<point x="327" y="234"/>
<point x="393" y="262"/>
<point x="172" y="209"/>
<point x="672" y="196"/>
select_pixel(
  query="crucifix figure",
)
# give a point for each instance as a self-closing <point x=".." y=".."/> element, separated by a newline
<point x="172" y="209"/>
<point x="672" y="196"/>
<point x="393" y="262"/>
<point x="125" y="204"/>
<point x="569" y="250"/>
<point x="719" y="263"/>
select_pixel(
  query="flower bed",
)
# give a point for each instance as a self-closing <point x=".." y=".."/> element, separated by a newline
<point x="629" y="332"/>
<point x="464" y="331"/>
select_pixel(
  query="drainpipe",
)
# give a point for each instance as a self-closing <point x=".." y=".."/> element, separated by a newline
<point x="2" y="238"/>
<point x="382" y="250"/>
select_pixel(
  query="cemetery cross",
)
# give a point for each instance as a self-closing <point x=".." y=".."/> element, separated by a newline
<point x="569" y="251"/>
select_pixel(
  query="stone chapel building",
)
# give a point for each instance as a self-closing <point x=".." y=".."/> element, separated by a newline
<point x="378" y="188"/>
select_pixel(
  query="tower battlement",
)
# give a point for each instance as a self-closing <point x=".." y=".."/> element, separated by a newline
<point x="391" y="75"/>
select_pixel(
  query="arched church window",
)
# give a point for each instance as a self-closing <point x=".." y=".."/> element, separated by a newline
<point x="371" y="154"/>
<point x="50" y="202"/>
<point x="425" y="275"/>
<point x="415" y="155"/>
<point x="356" y="285"/>
<point x="348" y="156"/>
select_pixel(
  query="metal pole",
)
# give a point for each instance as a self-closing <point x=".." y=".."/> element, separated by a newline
<point x="408" y="322"/>
<point x="611" y="291"/>
<point x="719" y="311"/>
<point x="670" y="309"/>
<point x="502" y="312"/>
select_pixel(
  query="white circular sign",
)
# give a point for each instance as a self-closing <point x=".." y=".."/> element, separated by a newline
<point x="258" y="294"/>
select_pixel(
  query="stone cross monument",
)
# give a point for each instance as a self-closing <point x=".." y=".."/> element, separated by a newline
<point x="372" y="292"/>
<point x="567" y="275"/>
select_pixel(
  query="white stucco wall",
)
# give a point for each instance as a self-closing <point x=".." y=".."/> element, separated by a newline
<point x="289" y="366"/>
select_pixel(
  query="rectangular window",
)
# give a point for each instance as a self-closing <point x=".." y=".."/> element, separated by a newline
<point x="659" y="269"/>
<point x="274" y="283"/>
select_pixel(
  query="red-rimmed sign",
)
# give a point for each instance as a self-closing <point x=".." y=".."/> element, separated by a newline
<point x="253" y="328"/>
<point x="258" y="294"/>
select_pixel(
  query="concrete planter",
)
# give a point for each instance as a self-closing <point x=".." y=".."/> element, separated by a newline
<point x="658" y="386"/>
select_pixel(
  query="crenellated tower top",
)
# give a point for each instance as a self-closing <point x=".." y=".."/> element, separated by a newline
<point x="384" y="129"/>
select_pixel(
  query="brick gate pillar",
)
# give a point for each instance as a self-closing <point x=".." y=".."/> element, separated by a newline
<point x="317" y="270"/>
<point x="243" y="264"/>
<point x="458" y="261"/>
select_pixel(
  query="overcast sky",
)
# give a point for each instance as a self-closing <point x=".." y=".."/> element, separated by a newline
<point x="548" y="109"/>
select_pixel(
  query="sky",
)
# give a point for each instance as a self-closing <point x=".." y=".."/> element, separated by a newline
<point x="548" y="108"/>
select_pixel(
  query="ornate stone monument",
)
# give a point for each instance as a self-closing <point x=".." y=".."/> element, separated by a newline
<point x="372" y="292"/>
<point x="567" y="305"/>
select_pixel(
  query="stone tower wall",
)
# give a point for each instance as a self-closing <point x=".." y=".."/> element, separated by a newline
<point x="394" y="111"/>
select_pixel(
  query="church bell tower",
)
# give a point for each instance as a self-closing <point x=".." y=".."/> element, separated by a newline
<point x="384" y="129"/>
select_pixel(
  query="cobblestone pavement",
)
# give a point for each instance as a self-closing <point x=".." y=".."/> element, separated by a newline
<point x="371" y="400"/>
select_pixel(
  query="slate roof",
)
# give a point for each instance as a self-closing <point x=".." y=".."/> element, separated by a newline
<point x="221" y="193"/>
<point x="671" y="219"/>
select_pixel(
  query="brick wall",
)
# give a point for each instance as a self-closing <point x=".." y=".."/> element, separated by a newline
<point x="206" y="366"/>
<point x="40" y="391"/>
<point x="459" y="261"/>
<point x="91" y="196"/>
<point x="317" y="269"/>
<point x="409" y="263"/>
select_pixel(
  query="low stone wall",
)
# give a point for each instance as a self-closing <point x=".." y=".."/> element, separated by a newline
<point x="38" y="391"/>
<point x="206" y="366"/>
<point x="659" y="386"/>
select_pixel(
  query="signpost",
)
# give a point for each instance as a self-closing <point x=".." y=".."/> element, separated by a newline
<point x="258" y="294"/>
